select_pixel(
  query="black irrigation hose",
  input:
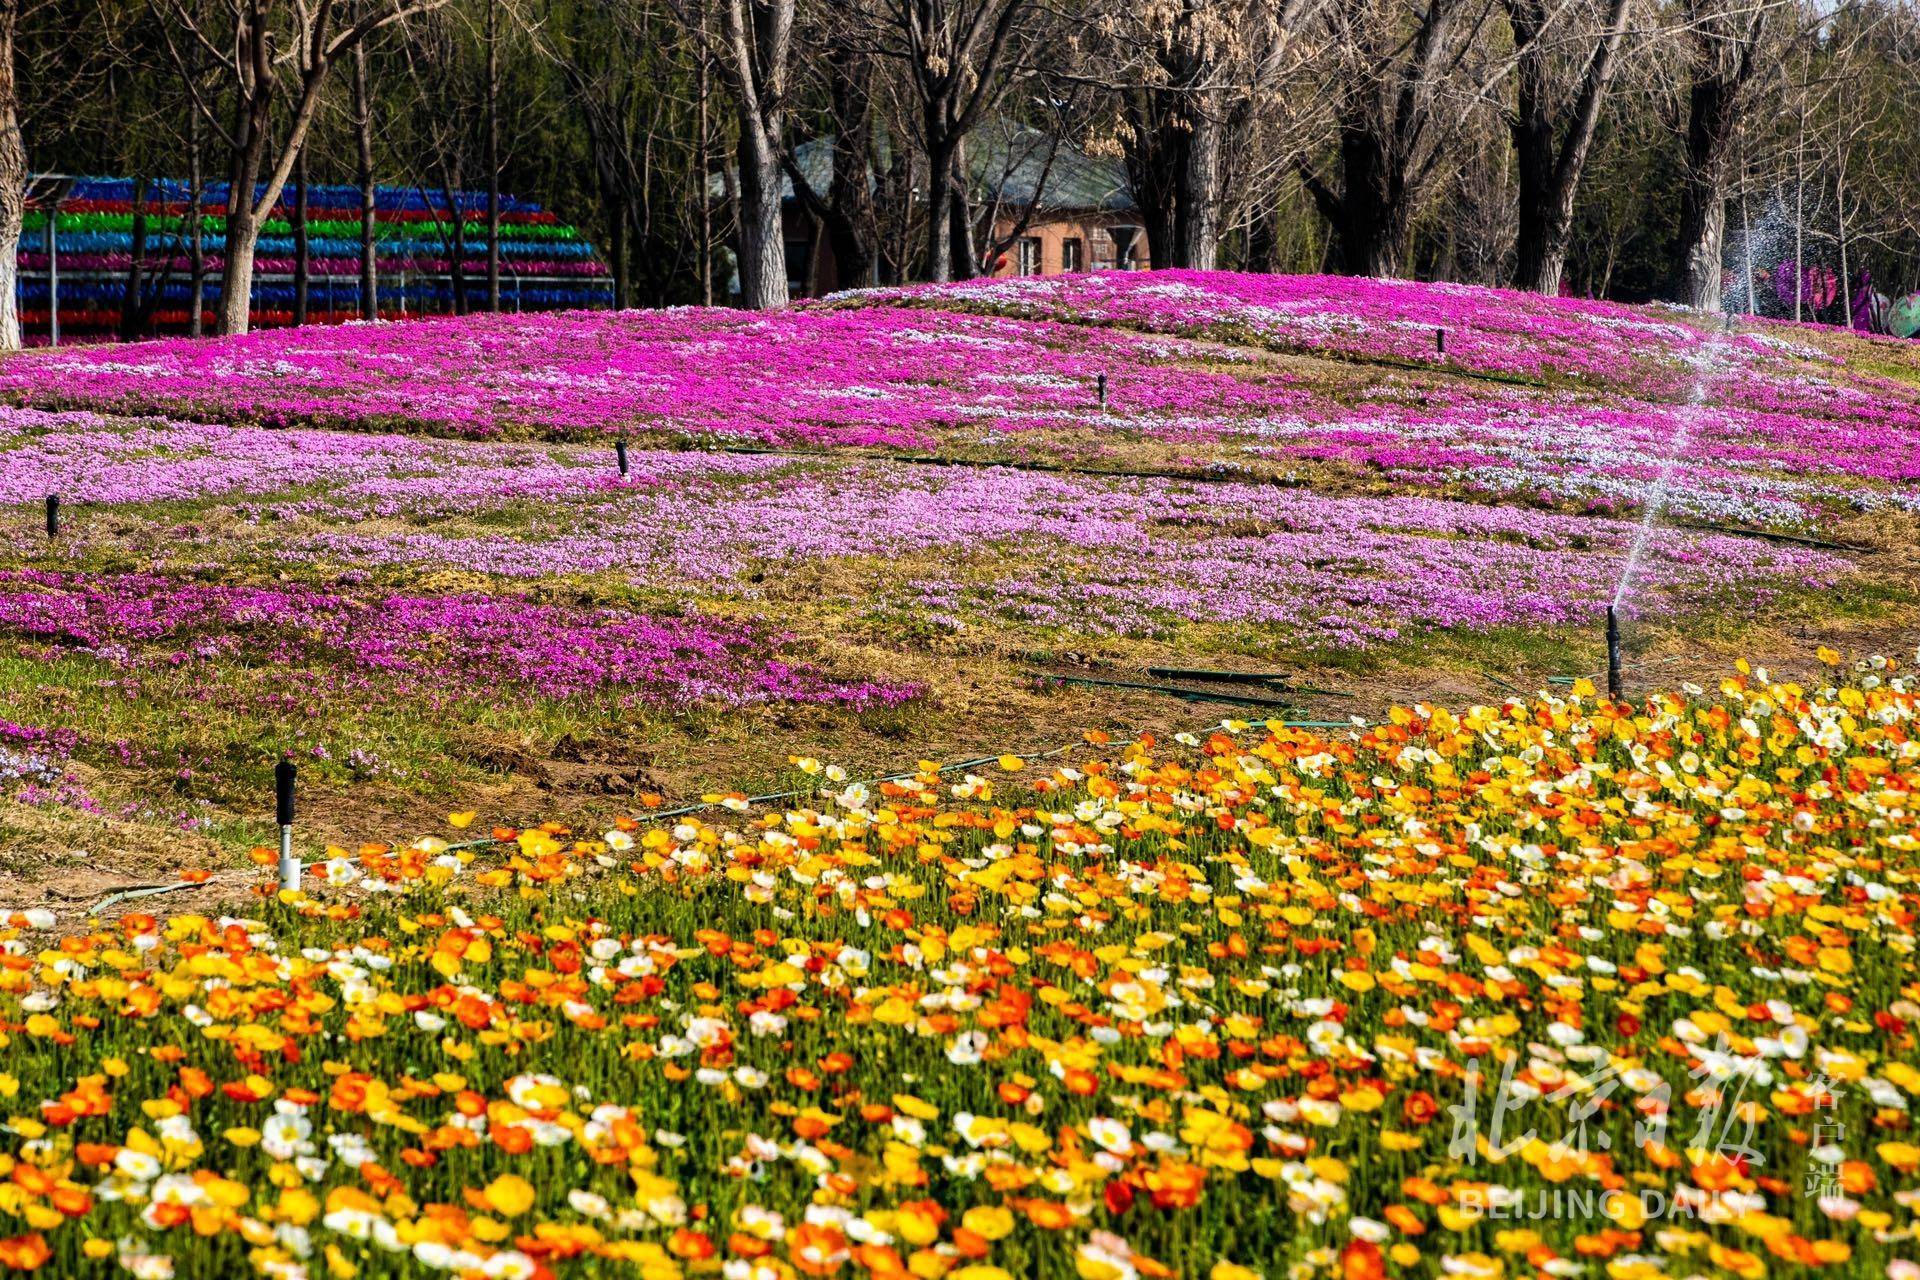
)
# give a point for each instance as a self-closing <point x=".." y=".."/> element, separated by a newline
<point x="1631" y="666"/>
<point x="1218" y="476"/>
<point x="155" y="890"/>
<point x="1278" y="679"/>
<point x="1441" y="365"/>
<point x="1747" y="531"/>
<point x="1171" y="691"/>
<point x="1248" y="338"/>
<point x="1222" y="475"/>
<point x="1225" y="677"/>
<point x="178" y="886"/>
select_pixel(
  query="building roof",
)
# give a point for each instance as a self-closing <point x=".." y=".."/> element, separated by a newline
<point x="1005" y="161"/>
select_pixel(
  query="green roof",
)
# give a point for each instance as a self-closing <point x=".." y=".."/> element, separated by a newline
<point x="1005" y="162"/>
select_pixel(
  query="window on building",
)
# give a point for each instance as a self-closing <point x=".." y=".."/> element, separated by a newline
<point x="1102" y="250"/>
<point x="1028" y="263"/>
<point x="1073" y="254"/>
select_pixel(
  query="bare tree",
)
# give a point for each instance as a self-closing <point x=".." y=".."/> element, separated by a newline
<point x="13" y="180"/>
<point x="613" y="56"/>
<point x="364" y="176"/>
<point x="1724" y="38"/>
<point x="1471" y="228"/>
<point x="841" y="46"/>
<point x="1553" y="122"/>
<point x="599" y="52"/>
<point x="196" y="230"/>
<point x="1171" y="138"/>
<point x="703" y="153"/>
<point x="1210" y="65"/>
<point x="264" y="48"/>
<point x="443" y="83"/>
<point x="955" y="53"/>
<point x="1386" y="71"/>
<point x="1019" y="188"/>
<point x="1197" y="227"/>
<point x="493" y="154"/>
<point x="756" y="39"/>
<point x="1155" y="152"/>
<point x="302" y="241"/>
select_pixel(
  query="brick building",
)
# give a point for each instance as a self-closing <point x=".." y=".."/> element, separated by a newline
<point x="1052" y="208"/>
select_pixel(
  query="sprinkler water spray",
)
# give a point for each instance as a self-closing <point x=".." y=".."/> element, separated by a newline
<point x="1613" y="653"/>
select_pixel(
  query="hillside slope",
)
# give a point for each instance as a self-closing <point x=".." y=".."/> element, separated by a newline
<point x="884" y="525"/>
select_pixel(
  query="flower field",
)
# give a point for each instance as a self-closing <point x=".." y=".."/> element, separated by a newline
<point x="405" y="552"/>
<point x="1248" y="1001"/>
<point x="1555" y="402"/>
<point x="1411" y="971"/>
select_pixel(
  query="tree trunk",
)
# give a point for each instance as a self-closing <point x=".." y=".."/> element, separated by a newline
<point x="1158" y="199"/>
<point x="966" y="258"/>
<point x="134" y="288"/>
<point x="1713" y="118"/>
<point x="13" y="183"/>
<point x="243" y="234"/>
<point x="763" y="245"/>
<point x="1263" y="237"/>
<point x="252" y="115"/>
<point x="843" y="218"/>
<point x="757" y="37"/>
<point x="302" y="245"/>
<point x="1543" y="255"/>
<point x="1187" y="120"/>
<point x="455" y="237"/>
<point x="940" y="153"/>
<point x="1800" y="207"/>
<point x="1373" y="217"/>
<point x="236" y="274"/>
<point x="966" y="253"/>
<point x="196" y="234"/>
<point x="816" y="240"/>
<point x="493" y="157"/>
<point x="1153" y="165"/>
<point x="1159" y="221"/>
<point x="1703" y="220"/>
<point x="363" y="136"/>
<point x="1545" y="213"/>
<point x="1199" y="215"/>
<point x="851" y="225"/>
<point x="896" y="239"/>
<point x="1840" y="225"/>
<point x="1550" y="168"/>
<point x="617" y="219"/>
<point x="703" y="92"/>
<point x="850" y="228"/>
<point x="1746" y="245"/>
